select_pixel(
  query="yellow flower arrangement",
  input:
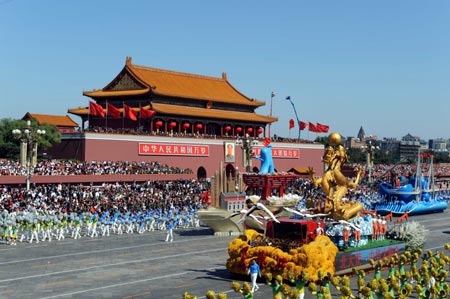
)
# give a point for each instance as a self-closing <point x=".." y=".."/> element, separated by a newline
<point x="316" y="256"/>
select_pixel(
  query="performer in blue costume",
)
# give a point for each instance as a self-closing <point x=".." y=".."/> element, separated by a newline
<point x="266" y="158"/>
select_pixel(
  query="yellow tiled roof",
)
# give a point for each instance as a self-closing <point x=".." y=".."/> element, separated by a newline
<point x="56" y="120"/>
<point x="178" y="84"/>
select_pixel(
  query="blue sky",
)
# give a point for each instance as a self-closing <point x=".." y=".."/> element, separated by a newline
<point x="382" y="65"/>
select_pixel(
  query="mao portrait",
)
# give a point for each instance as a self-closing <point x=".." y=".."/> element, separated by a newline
<point x="229" y="152"/>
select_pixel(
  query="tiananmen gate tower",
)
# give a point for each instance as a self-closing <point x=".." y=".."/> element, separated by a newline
<point x="180" y="119"/>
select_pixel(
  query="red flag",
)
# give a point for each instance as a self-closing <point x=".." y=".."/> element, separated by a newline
<point x="291" y="123"/>
<point x="313" y="128"/>
<point x="303" y="125"/>
<point x="113" y="111"/>
<point x="96" y="109"/>
<point x="129" y="112"/>
<point x="147" y="113"/>
<point x="323" y="128"/>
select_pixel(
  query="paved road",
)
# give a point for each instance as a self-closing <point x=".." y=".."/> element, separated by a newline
<point x="138" y="266"/>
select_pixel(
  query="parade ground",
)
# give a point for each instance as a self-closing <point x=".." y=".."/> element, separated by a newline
<point x="142" y="265"/>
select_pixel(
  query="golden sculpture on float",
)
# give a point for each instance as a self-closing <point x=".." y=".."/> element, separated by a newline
<point x="334" y="184"/>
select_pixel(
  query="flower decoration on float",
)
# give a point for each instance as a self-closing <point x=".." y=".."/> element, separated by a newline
<point x="286" y="200"/>
<point x="316" y="256"/>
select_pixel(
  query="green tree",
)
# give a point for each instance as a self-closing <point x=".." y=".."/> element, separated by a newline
<point x="10" y="146"/>
<point x="322" y="139"/>
<point x="441" y="158"/>
<point x="356" y="155"/>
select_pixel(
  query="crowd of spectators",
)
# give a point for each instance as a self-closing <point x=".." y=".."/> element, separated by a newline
<point x="408" y="170"/>
<point x="123" y="197"/>
<point x="68" y="167"/>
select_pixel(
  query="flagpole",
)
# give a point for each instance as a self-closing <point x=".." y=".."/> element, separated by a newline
<point x="296" y="115"/>
<point x="123" y="116"/>
<point x="89" y="115"/>
<point x="140" y="116"/>
<point x="106" y="118"/>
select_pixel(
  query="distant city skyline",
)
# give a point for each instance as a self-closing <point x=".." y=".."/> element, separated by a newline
<point x="381" y="65"/>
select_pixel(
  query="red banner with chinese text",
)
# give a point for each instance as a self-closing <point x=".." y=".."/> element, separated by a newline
<point x="288" y="153"/>
<point x="168" y="149"/>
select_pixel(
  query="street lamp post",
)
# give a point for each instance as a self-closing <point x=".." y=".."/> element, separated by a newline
<point x="247" y="144"/>
<point x="370" y="150"/>
<point x="288" y="98"/>
<point x="29" y="138"/>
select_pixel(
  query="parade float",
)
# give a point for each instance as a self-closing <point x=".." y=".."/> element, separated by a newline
<point x="329" y="234"/>
<point x="415" y="195"/>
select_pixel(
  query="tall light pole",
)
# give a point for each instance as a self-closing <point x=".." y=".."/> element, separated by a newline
<point x="29" y="138"/>
<point x="247" y="144"/>
<point x="296" y="116"/>
<point x="370" y="151"/>
<point x="272" y="95"/>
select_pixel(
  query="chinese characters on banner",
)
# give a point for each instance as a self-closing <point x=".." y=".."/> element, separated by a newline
<point x="169" y="149"/>
<point x="288" y="153"/>
<point x="166" y="149"/>
<point x="348" y="260"/>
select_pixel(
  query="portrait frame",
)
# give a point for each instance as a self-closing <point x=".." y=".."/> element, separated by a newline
<point x="230" y="154"/>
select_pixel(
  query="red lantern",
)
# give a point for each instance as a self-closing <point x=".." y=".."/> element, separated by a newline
<point x="172" y="125"/>
<point x="186" y="126"/>
<point x="238" y="130"/>
<point x="259" y="131"/>
<point x="227" y="129"/>
<point x="198" y="127"/>
<point x="158" y="125"/>
<point x="249" y="130"/>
